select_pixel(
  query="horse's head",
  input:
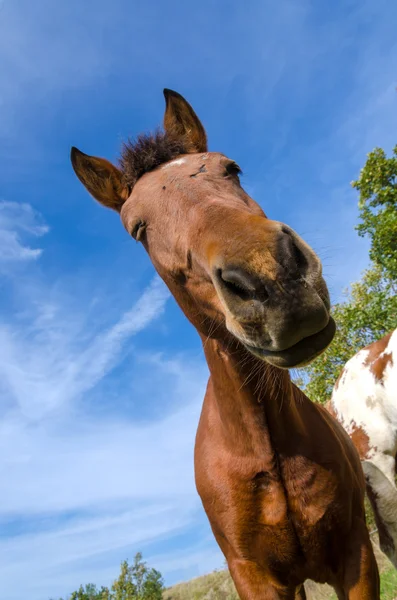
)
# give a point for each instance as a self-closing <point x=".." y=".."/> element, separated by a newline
<point x="230" y="268"/>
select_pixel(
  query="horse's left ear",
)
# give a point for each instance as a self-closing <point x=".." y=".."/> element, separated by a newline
<point x="181" y="122"/>
<point x="103" y="180"/>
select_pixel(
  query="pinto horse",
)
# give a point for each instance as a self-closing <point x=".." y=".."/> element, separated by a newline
<point x="364" y="401"/>
<point x="279" y="478"/>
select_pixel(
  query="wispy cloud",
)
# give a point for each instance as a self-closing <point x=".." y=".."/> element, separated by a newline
<point x="92" y="547"/>
<point x="49" y="363"/>
<point x="86" y="491"/>
<point x="86" y="487"/>
<point x="95" y="485"/>
<point x="17" y="222"/>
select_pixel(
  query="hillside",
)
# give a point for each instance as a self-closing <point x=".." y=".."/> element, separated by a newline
<point x="219" y="586"/>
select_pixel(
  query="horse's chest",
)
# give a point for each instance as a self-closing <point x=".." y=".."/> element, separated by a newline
<point x="270" y="513"/>
<point x="310" y="490"/>
<point x="248" y="511"/>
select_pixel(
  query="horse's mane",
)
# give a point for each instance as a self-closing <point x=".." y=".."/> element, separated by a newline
<point x="147" y="152"/>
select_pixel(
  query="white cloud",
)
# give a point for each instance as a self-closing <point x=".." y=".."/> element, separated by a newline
<point x="55" y="358"/>
<point x="18" y="221"/>
<point x="92" y="457"/>
<point x="56" y="562"/>
<point x="84" y="486"/>
<point x="125" y="486"/>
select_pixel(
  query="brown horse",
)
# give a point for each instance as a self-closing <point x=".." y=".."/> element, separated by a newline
<point x="279" y="479"/>
<point x="364" y="401"/>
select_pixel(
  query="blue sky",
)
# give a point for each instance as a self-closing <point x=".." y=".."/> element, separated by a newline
<point x="101" y="378"/>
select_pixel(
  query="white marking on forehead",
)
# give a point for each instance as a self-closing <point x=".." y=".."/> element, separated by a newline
<point x="204" y="156"/>
<point x="178" y="161"/>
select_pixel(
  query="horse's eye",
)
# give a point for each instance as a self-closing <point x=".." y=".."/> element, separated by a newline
<point x="138" y="230"/>
<point x="232" y="168"/>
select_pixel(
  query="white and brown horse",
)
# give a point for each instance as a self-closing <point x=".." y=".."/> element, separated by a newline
<point x="364" y="401"/>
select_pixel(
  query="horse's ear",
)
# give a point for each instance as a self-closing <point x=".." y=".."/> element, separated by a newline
<point x="181" y="121"/>
<point x="102" y="179"/>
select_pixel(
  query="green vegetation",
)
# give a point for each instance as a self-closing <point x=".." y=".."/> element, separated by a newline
<point x="135" y="582"/>
<point x="370" y="308"/>
<point x="388" y="584"/>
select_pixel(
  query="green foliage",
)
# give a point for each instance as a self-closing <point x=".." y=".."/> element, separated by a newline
<point x="135" y="582"/>
<point x="90" y="592"/>
<point x="124" y="587"/>
<point x="388" y="585"/>
<point x="370" y="308"/>
<point x="138" y="582"/>
<point x="153" y="586"/>
<point x="377" y="185"/>
<point x="367" y="315"/>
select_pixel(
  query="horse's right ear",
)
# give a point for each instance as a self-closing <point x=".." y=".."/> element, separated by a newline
<point x="181" y="122"/>
<point x="102" y="179"/>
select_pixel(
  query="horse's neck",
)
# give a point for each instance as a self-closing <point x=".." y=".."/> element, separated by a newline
<point x="254" y="402"/>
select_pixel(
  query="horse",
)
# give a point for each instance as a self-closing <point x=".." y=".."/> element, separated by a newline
<point x="364" y="400"/>
<point x="279" y="479"/>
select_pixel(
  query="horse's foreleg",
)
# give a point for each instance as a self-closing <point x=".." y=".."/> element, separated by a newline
<point x="252" y="584"/>
<point x="382" y="494"/>
<point x="361" y="577"/>
<point x="300" y="593"/>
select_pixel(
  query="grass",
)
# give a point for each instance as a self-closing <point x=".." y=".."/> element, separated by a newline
<point x="219" y="586"/>
<point x="215" y="586"/>
<point x="388" y="585"/>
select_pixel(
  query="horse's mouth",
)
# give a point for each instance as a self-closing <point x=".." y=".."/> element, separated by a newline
<point x="300" y="354"/>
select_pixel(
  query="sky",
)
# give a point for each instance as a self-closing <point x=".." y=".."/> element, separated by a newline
<point x="101" y="377"/>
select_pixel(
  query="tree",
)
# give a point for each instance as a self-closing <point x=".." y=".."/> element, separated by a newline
<point x="135" y="582"/>
<point x="370" y="308"/>
<point x="124" y="588"/>
<point x="153" y="586"/>
<point x="377" y="185"/>
<point x="89" y="592"/>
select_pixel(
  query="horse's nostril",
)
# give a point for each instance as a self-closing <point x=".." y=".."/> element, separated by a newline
<point x="293" y="250"/>
<point x="235" y="284"/>
<point x="299" y="257"/>
<point x="238" y="282"/>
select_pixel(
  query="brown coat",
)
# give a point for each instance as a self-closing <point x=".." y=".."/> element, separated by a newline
<point x="279" y="479"/>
